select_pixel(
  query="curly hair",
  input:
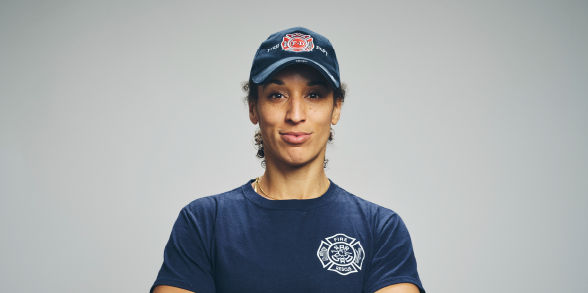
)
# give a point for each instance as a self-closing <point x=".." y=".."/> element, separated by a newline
<point x="250" y="88"/>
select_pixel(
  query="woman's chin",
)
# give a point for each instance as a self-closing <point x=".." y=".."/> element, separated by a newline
<point x="298" y="160"/>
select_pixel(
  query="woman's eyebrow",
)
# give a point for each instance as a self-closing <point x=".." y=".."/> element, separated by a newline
<point x="316" y="82"/>
<point x="275" y="81"/>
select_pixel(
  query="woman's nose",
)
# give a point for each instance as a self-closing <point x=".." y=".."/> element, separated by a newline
<point x="296" y="109"/>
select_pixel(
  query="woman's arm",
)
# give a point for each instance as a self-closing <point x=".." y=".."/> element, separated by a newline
<point x="170" y="289"/>
<point x="396" y="288"/>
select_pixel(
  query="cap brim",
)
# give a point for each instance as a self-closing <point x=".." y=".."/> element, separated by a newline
<point x="262" y="76"/>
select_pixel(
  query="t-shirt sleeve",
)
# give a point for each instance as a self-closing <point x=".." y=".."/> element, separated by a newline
<point x="187" y="258"/>
<point x="393" y="260"/>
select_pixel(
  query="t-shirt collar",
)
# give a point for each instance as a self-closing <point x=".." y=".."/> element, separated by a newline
<point x="289" y="204"/>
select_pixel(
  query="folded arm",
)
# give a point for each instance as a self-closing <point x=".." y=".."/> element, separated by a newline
<point x="169" y="289"/>
<point x="399" y="288"/>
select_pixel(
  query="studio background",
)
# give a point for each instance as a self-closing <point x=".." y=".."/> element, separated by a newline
<point x="468" y="118"/>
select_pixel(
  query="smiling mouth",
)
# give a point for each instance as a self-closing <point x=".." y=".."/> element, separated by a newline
<point x="295" y="137"/>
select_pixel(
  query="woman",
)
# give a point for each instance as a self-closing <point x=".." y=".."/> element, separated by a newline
<point x="291" y="229"/>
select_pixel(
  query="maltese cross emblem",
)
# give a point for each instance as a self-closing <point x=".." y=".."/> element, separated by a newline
<point x="341" y="254"/>
<point x="297" y="42"/>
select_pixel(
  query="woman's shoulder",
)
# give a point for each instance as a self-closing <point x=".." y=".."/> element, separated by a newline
<point x="365" y="205"/>
<point x="210" y="203"/>
<point x="381" y="220"/>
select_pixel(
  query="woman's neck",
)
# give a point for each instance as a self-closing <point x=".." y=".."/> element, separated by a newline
<point x="309" y="181"/>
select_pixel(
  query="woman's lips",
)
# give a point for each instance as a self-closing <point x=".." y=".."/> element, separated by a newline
<point x="295" y="137"/>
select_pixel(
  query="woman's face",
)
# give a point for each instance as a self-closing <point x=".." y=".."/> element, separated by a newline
<point x="295" y="111"/>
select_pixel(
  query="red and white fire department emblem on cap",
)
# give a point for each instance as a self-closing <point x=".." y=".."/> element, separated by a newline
<point x="297" y="42"/>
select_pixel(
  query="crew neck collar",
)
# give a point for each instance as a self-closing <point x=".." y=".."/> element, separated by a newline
<point x="289" y="204"/>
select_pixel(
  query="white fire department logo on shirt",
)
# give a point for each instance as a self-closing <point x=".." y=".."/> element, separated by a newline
<point x="341" y="254"/>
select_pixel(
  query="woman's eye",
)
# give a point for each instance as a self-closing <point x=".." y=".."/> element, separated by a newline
<point x="314" y="95"/>
<point x="276" y="96"/>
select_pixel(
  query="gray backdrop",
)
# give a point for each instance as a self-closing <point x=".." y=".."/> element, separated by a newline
<point x="468" y="118"/>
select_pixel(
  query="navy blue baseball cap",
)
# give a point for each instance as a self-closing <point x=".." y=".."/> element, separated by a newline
<point x="295" y="45"/>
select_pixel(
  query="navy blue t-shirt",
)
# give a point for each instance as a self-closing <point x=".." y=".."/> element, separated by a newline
<point x="239" y="241"/>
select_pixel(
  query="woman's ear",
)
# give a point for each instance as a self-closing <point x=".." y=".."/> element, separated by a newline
<point x="336" y="112"/>
<point x="253" y="113"/>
